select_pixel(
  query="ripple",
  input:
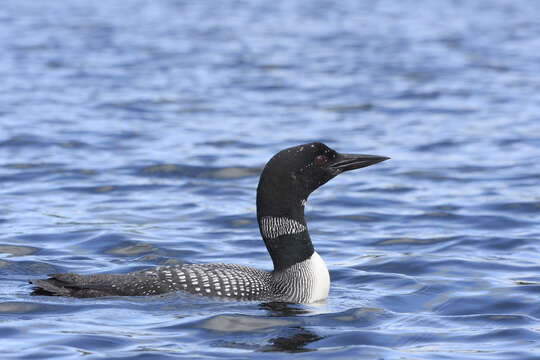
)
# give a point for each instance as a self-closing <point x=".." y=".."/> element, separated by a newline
<point x="17" y="307"/>
<point x="241" y="323"/>
<point x="232" y="143"/>
<point x="171" y="170"/>
<point x="15" y="250"/>
<point x="530" y="207"/>
<point x="443" y="145"/>
<point x="349" y="108"/>
<point x="135" y="249"/>
<point x="472" y="305"/>
<point x="30" y="140"/>
<point x="106" y="189"/>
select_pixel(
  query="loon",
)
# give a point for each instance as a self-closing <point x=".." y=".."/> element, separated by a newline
<point x="299" y="276"/>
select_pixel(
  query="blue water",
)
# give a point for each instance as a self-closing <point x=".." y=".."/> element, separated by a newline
<point x="132" y="134"/>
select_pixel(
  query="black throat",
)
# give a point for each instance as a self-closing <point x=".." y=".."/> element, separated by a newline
<point x="280" y="213"/>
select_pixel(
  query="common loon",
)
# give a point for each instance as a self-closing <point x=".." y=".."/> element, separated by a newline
<point x="299" y="276"/>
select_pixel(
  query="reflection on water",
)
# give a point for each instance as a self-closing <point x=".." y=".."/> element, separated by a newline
<point x="294" y="343"/>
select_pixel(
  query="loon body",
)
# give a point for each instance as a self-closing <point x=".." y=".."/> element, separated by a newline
<point x="299" y="275"/>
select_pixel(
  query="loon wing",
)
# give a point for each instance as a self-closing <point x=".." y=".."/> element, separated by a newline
<point x="218" y="280"/>
<point x="85" y="286"/>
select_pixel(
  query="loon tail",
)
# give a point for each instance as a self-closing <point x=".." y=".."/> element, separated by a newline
<point x="86" y="286"/>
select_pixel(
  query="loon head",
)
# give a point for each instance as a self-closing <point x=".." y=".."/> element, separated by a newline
<point x="296" y="172"/>
<point x="285" y="184"/>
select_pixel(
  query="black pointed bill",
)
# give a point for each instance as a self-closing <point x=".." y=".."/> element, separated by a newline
<point x="346" y="162"/>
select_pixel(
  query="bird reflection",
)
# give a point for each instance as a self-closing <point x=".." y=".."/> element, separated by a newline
<point x="293" y="339"/>
<point x="284" y="309"/>
<point x="294" y="343"/>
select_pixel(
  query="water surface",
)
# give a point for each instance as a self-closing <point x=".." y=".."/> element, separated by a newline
<point x="132" y="134"/>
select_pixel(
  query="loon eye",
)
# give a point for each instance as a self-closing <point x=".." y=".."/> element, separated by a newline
<point x="320" y="160"/>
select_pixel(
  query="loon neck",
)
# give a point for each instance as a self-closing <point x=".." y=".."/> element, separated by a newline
<point x="285" y="233"/>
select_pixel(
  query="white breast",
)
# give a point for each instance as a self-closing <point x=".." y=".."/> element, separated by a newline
<point x="321" y="278"/>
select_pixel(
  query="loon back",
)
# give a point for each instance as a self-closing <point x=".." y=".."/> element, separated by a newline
<point x="299" y="275"/>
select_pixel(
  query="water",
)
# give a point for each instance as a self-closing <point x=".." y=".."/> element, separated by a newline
<point x="132" y="134"/>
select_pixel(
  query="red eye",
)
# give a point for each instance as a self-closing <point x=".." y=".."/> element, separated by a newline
<point x="320" y="160"/>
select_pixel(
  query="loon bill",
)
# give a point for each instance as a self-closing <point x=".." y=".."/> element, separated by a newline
<point x="299" y="275"/>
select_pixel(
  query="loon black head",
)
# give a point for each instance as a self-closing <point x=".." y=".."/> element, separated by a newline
<point x="285" y="184"/>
